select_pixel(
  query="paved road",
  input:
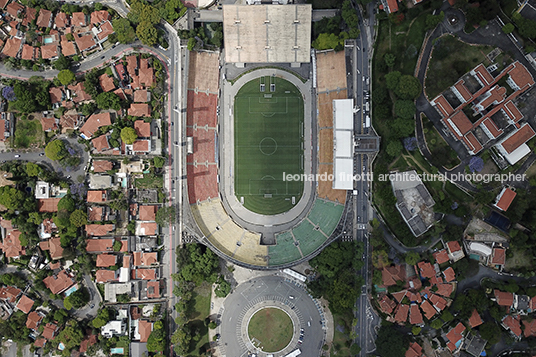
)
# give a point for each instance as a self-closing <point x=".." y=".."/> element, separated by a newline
<point x="254" y="293"/>
<point x="88" y="312"/>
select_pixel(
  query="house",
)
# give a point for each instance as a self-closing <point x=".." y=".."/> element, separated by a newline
<point x="12" y="46"/>
<point x="415" y="315"/>
<point x="3" y="4"/>
<point x="98" y="17"/>
<point x="146" y="228"/>
<point x="105" y="276"/>
<point x="498" y="257"/>
<point x="14" y="9"/>
<point x="67" y="47"/>
<point x="153" y="289"/>
<point x="455" y="251"/>
<point x="5" y="124"/>
<point x="59" y="282"/>
<point x="120" y="69"/>
<point x="142" y="96"/>
<point x="99" y="230"/>
<point x="392" y="274"/>
<point x="61" y="21"/>
<point x="455" y="337"/>
<point x="9" y="294"/>
<point x="401" y="313"/>
<point x="132" y="64"/>
<point x="49" y="123"/>
<point x="449" y="274"/>
<point x="475" y="319"/>
<point x="93" y="123"/>
<point x="141" y="146"/>
<point x="414" y="350"/>
<point x="103" y="31"/>
<point x="49" y="331"/>
<point x="145" y="328"/>
<point x="147" y="213"/>
<point x="106" y="83"/>
<point x="100" y="143"/>
<point x="441" y="256"/>
<point x="428" y="309"/>
<point x="95" y="213"/>
<point x="113" y="328"/>
<point x="100" y="181"/>
<point x="445" y="289"/>
<point x="99" y="166"/>
<point x="56" y="95"/>
<point x="44" y="19"/>
<point x="29" y="16"/>
<point x="505" y="199"/>
<point x="78" y="19"/>
<point x="139" y="110"/>
<point x="438" y="302"/>
<point x="88" y="341"/>
<point x="11" y="246"/>
<point x="28" y="52"/>
<point x="85" y="42"/>
<point x="78" y="94"/>
<point x="529" y="327"/>
<point x="146" y="74"/>
<point x="96" y="196"/>
<point x="25" y="304"/>
<point x="106" y="260"/>
<point x="53" y="245"/>
<point x="504" y="298"/>
<point x="513" y="324"/>
<point x="474" y="345"/>
<point x="33" y="320"/>
<point x="426" y="269"/>
<point x="142" y="128"/>
<point x="69" y="121"/>
<point x="99" y="245"/>
<point x="144" y="274"/>
<point x="386" y="305"/>
<point x="390" y="6"/>
<point x="145" y="259"/>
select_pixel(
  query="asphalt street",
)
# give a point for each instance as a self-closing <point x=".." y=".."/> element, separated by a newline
<point x="253" y="295"/>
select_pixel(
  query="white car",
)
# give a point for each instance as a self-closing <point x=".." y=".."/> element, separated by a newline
<point x="17" y="156"/>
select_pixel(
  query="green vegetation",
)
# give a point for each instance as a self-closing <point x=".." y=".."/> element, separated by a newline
<point x="268" y="142"/>
<point x="272" y="328"/>
<point x="28" y="132"/>
<point x="128" y="135"/>
<point x="125" y="32"/>
<point x="157" y="339"/>
<point x="166" y="215"/>
<point x="330" y="33"/>
<point x="66" y="77"/>
<point x="391" y="342"/>
<point x="451" y="59"/>
<point x="102" y="318"/>
<point x="31" y="95"/>
<point x="442" y="153"/>
<point x="108" y="100"/>
<point x="149" y="181"/>
<point x="56" y="150"/>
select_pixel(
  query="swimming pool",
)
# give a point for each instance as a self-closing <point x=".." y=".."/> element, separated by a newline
<point x="48" y="40"/>
<point x="117" y="350"/>
<point x="71" y="290"/>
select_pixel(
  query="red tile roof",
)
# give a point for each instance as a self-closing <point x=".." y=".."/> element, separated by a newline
<point x="99" y="229"/>
<point x="100" y="143"/>
<point x="3" y="3"/>
<point x="392" y="274"/>
<point x="106" y="30"/>
<point x="426" y="269"/>
<point x="520" y="75"/>
<point x="104" y="276"/>
<point x="140" y="146"/>
<point x="142" y="128"/>
<point x="48" y="204"/>
<point x="399" y="295"/>
<point x="472" y="143"/>
<point x="146" y="74"/>
<point x="392" y="6"/>
<point x="428" y="309"/>
<point x="483" y="74"/>
<point x="99" y="245"/>
<point x="415" y="283"/>
<point x="49" y="331"/>
<point x="444" y="289"/>
<point x="40" y="342"/>
<point x="80" y="94"/>
<point x="95" y="213"/>
<point x="455" y="335"/>
<point x="415" y="315"/>
<point x="519" y="138"/>
<point x="126" y="261"/>
<point x="25" y="304"/>
<point x="496" y="96"/>
<point x="11" y="245"/>
<point x="513" y="323"/>
<point x="439" y="303"/>
<point x="461" y="122"/>
<point x="144" y="274"/>
<point x="61" y="20"/>
<point x="102" y="165"/>
<point x="450" y="275"/>
<point x="147" y="213"/>
<point x="94" y="122"/>
<point x="153" y="289"/>
<point x="401" y="314"/>
<point x="132" y="64"/>
<point x="84" y="42"/>
<point x="106" y="83"/>
<point x="54" y="246"/>
<point x="462" y="89"/>
<point x="44" y="18"/>
<point x="98" y="17"/>
<point x="504" y="298"/>
<point x="145" y="259"/>
<point x="490" y="125"/>
<point x="59" y="283"/>
<point x="78" y="19"/>
<point x="33" y="320"/>
<point x="498" y="256"/>
<point x="386" y="304"/>
<point x="27" y="52"/>
<point x="505" y="199"/>
<point x="475" y="319"/>
<point x="106" y="260"/>
<point x="444" y="106"/>
<point x="414" y="350"/>
<point x="67" y="48"/>
<point x="48" y="123"/>
<point x="96" y="196"/>
<point x="512" y="111"/>
<point x="441" y="257"/>
<point x="145" y="328"/>
<point x="49" y="51"/>
<point x="9" y="293"/>
<point x="12" y="46"/>
<point x="87" y="342"/>
<point x="454" y="246"/>
<point x="139" y="110"/>
<point x="529" y="327"/>
<point x="141" y="96"/>
<point x="14" y="8"/>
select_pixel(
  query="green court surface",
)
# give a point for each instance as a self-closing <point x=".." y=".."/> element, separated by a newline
<point x="285" y="251"/>
<point x="326" y="215"/>
<point x="268" y="130"/>
<point x="310" y="238"/>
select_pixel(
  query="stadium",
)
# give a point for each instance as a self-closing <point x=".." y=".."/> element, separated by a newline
<point x="267" y="112"/>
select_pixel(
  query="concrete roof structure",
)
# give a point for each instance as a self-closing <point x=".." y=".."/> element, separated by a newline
<point x="343" y="149"/>
<point x="267" y="33"/>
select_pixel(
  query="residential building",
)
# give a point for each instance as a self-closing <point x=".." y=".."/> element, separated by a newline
<point x="105" y="276"/>
<point x="475" y="319"/>
<point x="142" y="96"/>
<point x="11" y="245"/>
<point x="146" y="228"/>
<point x="513" y="324"/>
<point x="70" y="120"/>
<point x="147" y="212"/>
<point x="99" y="17"/>
<point x="441" y="256"/>
<point x="153" y="290"/>
<point x="145" y="328"/>
<point x="455" y="337"/>
<point x="79" y="19"/>
<point x="100" y="181"/>
<point x="99" y="245"/>
<point x="106" y="83"/>
<point x="59" y="282"/>
<point x="142" y="128"/>
<point x="139" y="110"/>
<point x="414" y="350"/>
<point x="25" y="304"/>
<point x="99" y="230"/>
<point x="97" y="196"/>
<point x="12" y="46"/>
<point x="93" y="123"/>
<point x="61" y="21"/>
<point x="504" y="298"/>
<point x="50" y="51"/>
<point x="78" y="94"/>
<point x="85" y="42"/>
<point x="53" y="245"/>
<point x="99" y="166"/>
<point x="114" y="328"/>
<point x="145" y="259"/>
<point x="44" y="19"/>
<point x="513" y="147"/>
<point x="106" y="260"/>
<point x="33" y="320"/>
<point x="455" y="251"/>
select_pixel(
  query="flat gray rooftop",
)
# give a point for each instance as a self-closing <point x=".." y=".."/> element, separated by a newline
<point x="267" y="33"/>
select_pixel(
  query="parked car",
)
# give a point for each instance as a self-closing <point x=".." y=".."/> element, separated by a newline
<point x="17" y="156"/>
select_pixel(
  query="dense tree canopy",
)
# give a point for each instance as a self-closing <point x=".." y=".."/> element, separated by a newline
<point x="392" y="79"/>
<point x="62" y="63"/>
<point x="405" y="109"/>
<point x="66" y="77"/>
<point x="78" y="218"/>
<point x="147" y="33"/>
<point x="196" y="264"/>
<point x="11" y="197"/>
<point x="128" y="135"/>
<point x="408" y="87"/>
<point x="108" y="100"/>
<point x="56" y="150"/>
<point x="391" y="342"/>
<point x="125" y="32"/>
<point x="166" y="215"/>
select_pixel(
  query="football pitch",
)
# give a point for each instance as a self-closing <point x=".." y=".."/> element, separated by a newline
<point x="268" y="134"/>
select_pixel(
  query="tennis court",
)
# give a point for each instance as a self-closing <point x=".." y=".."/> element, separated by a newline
<point x="268" y="130"/>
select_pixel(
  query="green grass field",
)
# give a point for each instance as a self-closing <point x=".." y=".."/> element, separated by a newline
<point x="270" y="329"/>
<point x="268" y="130"/>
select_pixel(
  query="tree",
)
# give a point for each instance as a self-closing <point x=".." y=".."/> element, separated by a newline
<point x="405" y="109"/>
<point x="433" y="20"/>
<point x="56" y="150"/>
<point x="394" y="148"/>
<point x="143" y="12"/>
<point x="108" y="100"/>
<point x="408" y="87"/>
<point x="117" y="246"/>
<point x="389" y="59"/>
<point x="326" y="41"/>
<point x="191" y="43"/>
<point x="166" y="215"/>
<point x="391" y="342"/>
<point x="77" y="299"/>
<point x="98" y="6"/>
<point x="66" y="77"/>
<point x="102" y="318"/>
<point x="508" y="28"/>
<point x="159" y="162"/>
<point x="412" y="258"/>
<point x="8" y="93"/>
<point x="436" y="324"/>
<point x="416" y="330"/>
<point x="32" y="170"/>
<point x="392" y="79"/>
<point x="355" y="349"/>
<point x="78" y="218"/>
<point x="62" y="63"/>
<point x="11" y="197"/>
<point x="410" y="143"/>
<point x="527" y="27"/>
<point x="476" y="164"/>
<point x="490" y="331"/>
<point x="125" y="32"/>
<point x="128" y="135"/>
<point x="25" y="98"/>
<point x="223" y="289"/>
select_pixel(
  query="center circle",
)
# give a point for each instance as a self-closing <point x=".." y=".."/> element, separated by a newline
<point x="268" y="146"/>
<point x="270" y="329"/>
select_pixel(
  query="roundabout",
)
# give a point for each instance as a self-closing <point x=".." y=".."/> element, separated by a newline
<point x="265" y="315"/>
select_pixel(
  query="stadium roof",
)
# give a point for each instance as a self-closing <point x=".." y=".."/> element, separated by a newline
<point x="343" y="163"/>
<point x="267" y="33"/>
